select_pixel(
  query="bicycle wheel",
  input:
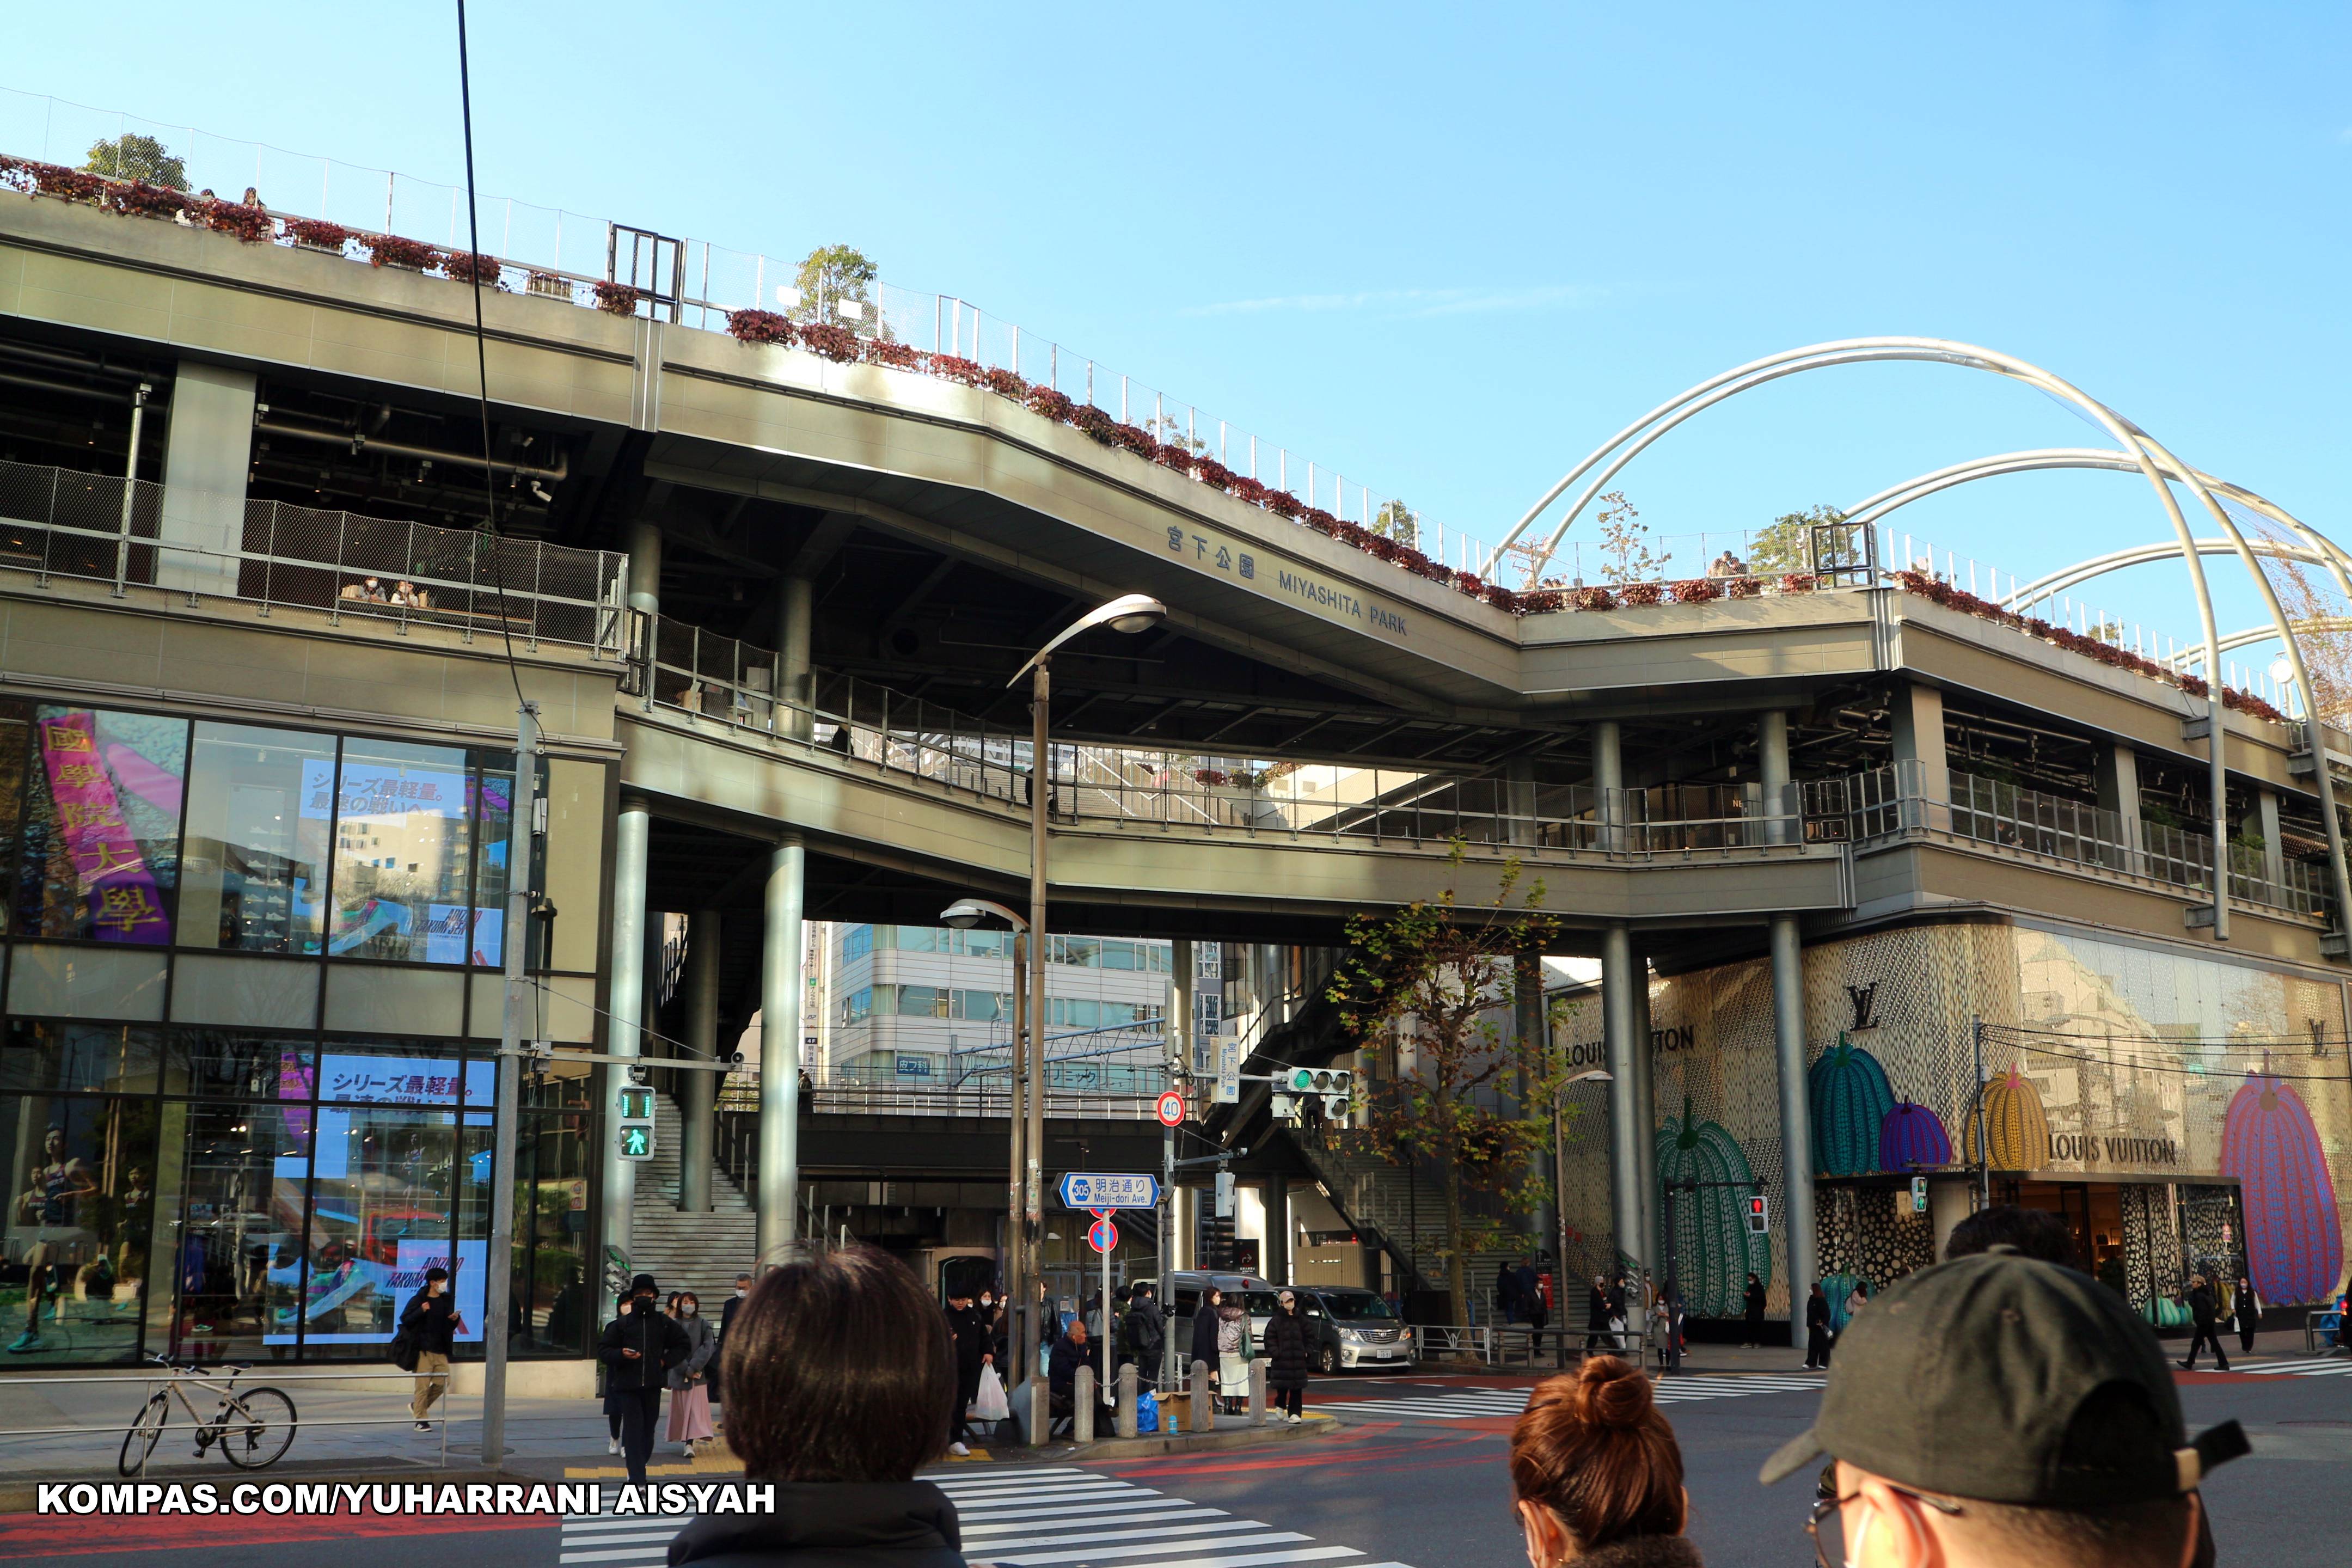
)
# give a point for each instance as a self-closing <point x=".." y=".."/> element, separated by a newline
<point x="146" y="1430"/>
<point x="257" y="1428"/>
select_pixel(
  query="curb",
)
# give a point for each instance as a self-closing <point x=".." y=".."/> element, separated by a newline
<point x="1153" y="1447"/>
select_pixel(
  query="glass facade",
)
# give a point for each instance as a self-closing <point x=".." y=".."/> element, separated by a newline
<point x="246" y="1088"/>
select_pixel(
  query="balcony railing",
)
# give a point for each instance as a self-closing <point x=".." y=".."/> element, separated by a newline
<point x="693" y="671"/>
<point x="1890" y="802"/>
<point x="59" y="522"/>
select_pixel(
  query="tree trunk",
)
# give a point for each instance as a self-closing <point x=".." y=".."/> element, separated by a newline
<point x="1457" y="1268"/>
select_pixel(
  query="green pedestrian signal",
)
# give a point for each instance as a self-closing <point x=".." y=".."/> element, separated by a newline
<point x="636" y="1140"/>
<point x="636" y="1102"/>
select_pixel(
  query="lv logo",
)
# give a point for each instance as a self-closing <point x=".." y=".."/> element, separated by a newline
<point x="1866" y="1005"/>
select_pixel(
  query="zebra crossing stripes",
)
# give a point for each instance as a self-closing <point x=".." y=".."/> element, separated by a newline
<point x="1468" y="1405"/>
<point x="603" y="1538"/>
<point x="1051" y="1517"/>
<point x="2330" y="1366"/>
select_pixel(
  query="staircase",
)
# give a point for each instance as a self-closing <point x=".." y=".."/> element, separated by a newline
<point x="1400" y="1206"/>
<point x="697" y="1252"/>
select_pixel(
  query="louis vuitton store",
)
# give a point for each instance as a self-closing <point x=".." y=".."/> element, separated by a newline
<point x="2177" y="1110"/>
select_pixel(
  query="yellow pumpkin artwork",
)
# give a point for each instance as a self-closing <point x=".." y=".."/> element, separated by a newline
<point x="2014" y="1124"/>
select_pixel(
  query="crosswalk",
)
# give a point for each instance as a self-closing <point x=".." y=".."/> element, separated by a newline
<point x="2330" y="1366"/>
<point x="1470" y="1403"/>
<point x="1024" y="1517"/>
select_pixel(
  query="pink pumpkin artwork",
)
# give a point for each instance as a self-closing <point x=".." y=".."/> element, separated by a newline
<point x="2295" y="1237"/>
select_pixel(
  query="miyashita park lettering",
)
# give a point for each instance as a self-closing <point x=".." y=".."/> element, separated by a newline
<point x="1325" y="596"/>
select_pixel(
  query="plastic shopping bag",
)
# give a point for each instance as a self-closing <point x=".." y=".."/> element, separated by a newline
<point x="1147" y="1411"/>
<point x="990" y="1403"/>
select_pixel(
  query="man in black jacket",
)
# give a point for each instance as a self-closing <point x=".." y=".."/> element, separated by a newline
<point x="1147" y="1334"/>
<point x="1755" y="1305"/>
<point x="638" y="1351"/>
<point x="431" y="1322"/>
<point x="1070" y="1352"/>
<point x="973" y="1351"/>
<point x="2204" y="1328"/>
<point x="726" y="1322"/>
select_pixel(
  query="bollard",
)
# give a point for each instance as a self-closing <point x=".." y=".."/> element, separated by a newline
<point x="1041" y="1410"/>
<point x="1205" y="1404"/>
<point x="1257" y="1392"/>
<point x="1082" y="1424"/>
<point x="1122" y="1420"/>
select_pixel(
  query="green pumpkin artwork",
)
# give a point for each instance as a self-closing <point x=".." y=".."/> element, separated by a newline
<point x="1850" y="1099"/>
<point x="1713" y="1250"/>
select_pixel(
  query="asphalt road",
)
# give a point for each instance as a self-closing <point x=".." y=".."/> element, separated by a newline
<point x="1415" y="1477"/>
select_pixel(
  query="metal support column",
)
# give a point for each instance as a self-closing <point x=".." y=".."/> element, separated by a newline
<point x="697" y="1092"/>
<point x="1277" y="1230"/>
<point x="780" y="1050"/>
<point x="625" y="1025"/>
<point x="1617" y="975"/>
<point x="1800" y="1257"/>
<point x="795" y="605"/>
<point x="1657" y="1256"/>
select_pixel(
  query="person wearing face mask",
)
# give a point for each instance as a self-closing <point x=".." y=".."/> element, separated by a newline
<point x="1999" y="1410"/>
<point x="431" y="1320"/>
<point x="638" y="1349"/>
<point x="1597" y="1475"/>
<point x="1286" y="1359"/>
<point x="726" y="1322"/>
<point x="689" y="1392"/>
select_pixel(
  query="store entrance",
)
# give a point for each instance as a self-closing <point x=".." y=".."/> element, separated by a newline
<point x="2093" y="1213"/>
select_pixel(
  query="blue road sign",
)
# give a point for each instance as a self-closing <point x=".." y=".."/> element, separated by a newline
<point x="1088" y="1192"/>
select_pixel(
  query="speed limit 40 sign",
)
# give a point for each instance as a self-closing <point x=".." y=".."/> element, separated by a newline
<point x="1172" y="1108"/>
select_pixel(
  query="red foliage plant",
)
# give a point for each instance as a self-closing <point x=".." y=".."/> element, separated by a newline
<point x="838" y="344"/>
<point x="1324" y="523"/>
<point x="1173" y="455"/>
<point x="1094" y="424"/>
<point x="1502" y="598"/>
<point x="250" y="226"/>
<point x="392" y="250"/>
<point x="1742" y="587"/>
<point x="758" y="327"/>
<point x="469" y="267"/>
<point x="1004" y="384"/>
<point x="971" y="373"/>
<point x="57" y="180"/>
<point x="317" y="232"/>
<point x="1046" y="401"/>
<point x="1247" y="488"/>
<point x="1593" y="599"/>
<point x="1542" y="602"/>
<point x="1466" y="583"/>
<point x="895" y="355"/>
<point x="1379" y="547"/>
<point x="1135" y="439"/>
<point x="1212" y="473"/>
<point x="137" y="198"/>
<point x="1281" y="504"/>
<point x="1640" y="595"/>
<point x="1797" y="583"/>
<point x="1697" y="591"/>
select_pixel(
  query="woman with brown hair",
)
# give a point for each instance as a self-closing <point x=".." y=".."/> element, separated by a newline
<point x="1597" y="1474"/>
<point x="840" y="1384"/>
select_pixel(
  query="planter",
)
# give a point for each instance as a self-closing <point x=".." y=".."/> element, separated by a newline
<point x="548" y="286"/>
<point x="322" y="249"/>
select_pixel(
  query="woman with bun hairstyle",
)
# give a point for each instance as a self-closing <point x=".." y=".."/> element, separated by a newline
<point x="1597" y="1474"/>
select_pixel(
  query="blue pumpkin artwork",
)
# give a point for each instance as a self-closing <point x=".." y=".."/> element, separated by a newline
<point x="1912" y="1135"/>
<point x="1851" y="1099"/>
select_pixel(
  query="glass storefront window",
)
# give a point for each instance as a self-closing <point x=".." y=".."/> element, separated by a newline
<point x="99" y="850"/>
<point x="385" y="1179"/>
<point x="16" y="737"/>
<point x="80" y="1212"/>
<point x="43" y="1056"/>
<point x="403" y="853"/>
<point x="232" y="1180"/>
<point x="238" y="1063"/>
<point x="259" y="808"/>
<point x="493" y="791"/>
<point x="556" y="1305"/>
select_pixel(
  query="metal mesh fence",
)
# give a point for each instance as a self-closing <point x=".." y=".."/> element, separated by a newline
<point x="57" y="522"/>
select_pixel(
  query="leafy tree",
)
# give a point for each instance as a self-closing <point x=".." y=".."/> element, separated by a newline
<point x="1788" y="545"/>
<point x="1398" y="522"/>
<point x="131" y="156"/>
<point x="832" y="273"/>
<point x="1438" y="972"/>
<point x="1625" y="553"/>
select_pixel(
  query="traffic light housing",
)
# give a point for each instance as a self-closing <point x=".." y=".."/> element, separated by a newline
<point x="1760" y="1213"/>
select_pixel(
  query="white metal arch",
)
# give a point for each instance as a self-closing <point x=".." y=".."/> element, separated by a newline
<point x="2251" y="637"/>
<point x="2132" y="441"/>
<point x="2318" y="549"/>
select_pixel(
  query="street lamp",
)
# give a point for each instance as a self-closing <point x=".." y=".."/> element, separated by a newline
<point x="963" y="915"/>
<point x="1129" y="613"/>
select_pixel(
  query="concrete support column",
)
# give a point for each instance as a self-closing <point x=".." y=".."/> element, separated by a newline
<point x="624" y="1024"/>
<point x="1277" y="1230"/>
<point x="207" y="450"/>
<point x="2117" y="769"/>
<point x="1519" y="799"/>
<point x="1655" y="1256"/>
<point x="795" y="605"/>
<point x="2274" y="846"/>
<point x="645" y="566"/>
<point x="1922" y="765"/>
<point x="697" y="1092"/>
<point x="781" y="990"/>
<point x="1800" y="1260"/>
<point x="1608" y="782"/>
<point x="1617" y="975"/>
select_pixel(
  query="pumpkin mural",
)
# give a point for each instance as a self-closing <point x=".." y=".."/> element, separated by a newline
<point x="1712" y="1249"/>
<point x="2014" y="1124"/>
<point x="2295" y="1237"/>
<point x="1849" y="1099"/>
<point x="1912" y="1135"/>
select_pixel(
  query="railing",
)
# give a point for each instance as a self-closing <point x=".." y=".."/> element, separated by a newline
<point x="694" y="671"/>
<point x="59" y="522"/>
<point x="1888" y="802"/>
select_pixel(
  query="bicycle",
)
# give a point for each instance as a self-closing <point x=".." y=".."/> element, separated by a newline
<point x="254" y="1429"/>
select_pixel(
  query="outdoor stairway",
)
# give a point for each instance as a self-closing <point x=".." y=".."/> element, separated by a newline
<point x="1402" y="1208"/>
<point x="697" y="1252"/>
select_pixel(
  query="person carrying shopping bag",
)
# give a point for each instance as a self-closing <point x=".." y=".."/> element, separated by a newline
<point x="689" y="1380"/>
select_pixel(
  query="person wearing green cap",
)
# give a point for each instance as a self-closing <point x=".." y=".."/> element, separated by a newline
<point x="1998" y="1409"/>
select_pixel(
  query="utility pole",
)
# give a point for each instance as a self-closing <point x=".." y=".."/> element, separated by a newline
<point x="524" y="830"/>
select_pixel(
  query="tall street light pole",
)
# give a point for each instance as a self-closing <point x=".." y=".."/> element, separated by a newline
<point x="1129" y="613"/>
<point x="964" y="914"/>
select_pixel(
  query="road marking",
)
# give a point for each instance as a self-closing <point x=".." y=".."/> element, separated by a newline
<point x="1474" y="1403"/>
<point x="1052" y="1517"/>
<point x="2333" y="1366"/>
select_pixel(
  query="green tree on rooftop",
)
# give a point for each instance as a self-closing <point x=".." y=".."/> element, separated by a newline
<point x="830" y="274"/>
<point x="131" y="156"/>
<point x="1787" y="544"/>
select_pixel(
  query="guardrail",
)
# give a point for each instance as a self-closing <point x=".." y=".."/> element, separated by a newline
<point x="60" y="522"/>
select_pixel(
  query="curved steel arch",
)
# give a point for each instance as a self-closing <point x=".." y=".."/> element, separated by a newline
<point x="2318" y="549"/>
<point x="2132" y="441"/>
<point x="2252" y="635"/>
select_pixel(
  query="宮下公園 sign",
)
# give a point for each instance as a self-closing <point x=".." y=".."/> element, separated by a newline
<point x="1090" y="1192"/>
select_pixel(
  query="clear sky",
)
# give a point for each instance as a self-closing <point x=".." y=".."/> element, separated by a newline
<point x="1448" y="250"/>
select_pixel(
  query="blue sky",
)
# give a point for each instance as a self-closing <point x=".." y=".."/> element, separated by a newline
<point x="1449" y="249"/>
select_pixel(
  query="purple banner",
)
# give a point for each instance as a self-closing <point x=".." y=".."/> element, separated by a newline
<point x="110" y="870"/>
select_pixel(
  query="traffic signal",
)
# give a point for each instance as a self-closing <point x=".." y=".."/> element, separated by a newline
<point x="1760" y="1213"/>
<point x="634" y="1125"/>
<point x="1333" y="1085"/>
